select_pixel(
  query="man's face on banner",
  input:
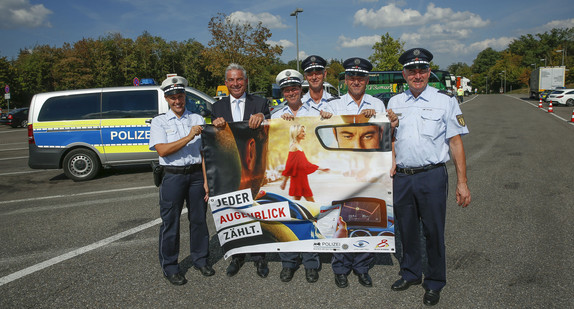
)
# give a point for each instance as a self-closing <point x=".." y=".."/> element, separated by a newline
<point x="358" y="137"/>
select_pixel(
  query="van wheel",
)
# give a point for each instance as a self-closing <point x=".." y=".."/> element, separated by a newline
<point x="81" y="165"/>
<point x="570" y="102"/>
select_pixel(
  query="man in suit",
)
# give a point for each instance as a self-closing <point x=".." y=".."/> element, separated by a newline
<point x="241" y="106"/>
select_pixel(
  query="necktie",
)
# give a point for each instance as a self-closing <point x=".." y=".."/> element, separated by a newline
<point x="237" y="114"/>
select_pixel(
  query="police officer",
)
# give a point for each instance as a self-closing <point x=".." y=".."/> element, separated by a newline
<point x="175" y="137"/>
<point x="290" y="83"/>
<point x="431" y="123"/>
<point x="355" y="102"/>
<point x="315" y="74"/>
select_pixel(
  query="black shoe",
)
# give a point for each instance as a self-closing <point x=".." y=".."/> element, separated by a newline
<point x="234" y="266"/>
<point x="176" y="279"/>
<point x="311" y="274"/>
<point x="402" y="284"/>
<point x="431" y="297"/>
<point x="365" y="280"/>
<point x="287" y="274"/>
<point x="262" y="269"/>
<point x="341" y="280"/>
<point x="205" y="270"/>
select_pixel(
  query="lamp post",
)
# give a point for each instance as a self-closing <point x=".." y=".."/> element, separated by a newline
<point x="534" y="64"/>
<point x="500" y="81"/>
<point x="544" y="61"/>
<point x="296" y="14"/>
<point x="504" y="89"/>
<point x="561" y="51"/>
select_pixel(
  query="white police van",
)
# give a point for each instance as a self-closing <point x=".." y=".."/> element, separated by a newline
<point x="82" y="131"/>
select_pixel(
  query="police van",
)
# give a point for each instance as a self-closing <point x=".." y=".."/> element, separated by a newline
<point x="81" y="131"/>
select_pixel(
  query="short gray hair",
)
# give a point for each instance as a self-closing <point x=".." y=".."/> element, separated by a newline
<point x="235" y="66"/>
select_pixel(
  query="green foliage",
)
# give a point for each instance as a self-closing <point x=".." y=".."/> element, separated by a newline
<point x="113" y="60"/>
<point x="244" y="44"/>
<point x="386" y="54"/>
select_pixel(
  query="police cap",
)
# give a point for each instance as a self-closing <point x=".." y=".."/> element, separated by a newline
<point x="288" y="78"/>
<point x="416" y="58"/>
<point x="173" y="85"/>
<point x="357" y="66"/>
<point x="313" y="63"/>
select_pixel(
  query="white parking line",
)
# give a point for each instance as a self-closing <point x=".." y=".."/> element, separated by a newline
<point x="25" y="172"/>
<point x="13" y="158"/>
<point x="53" y="261"/>
<point x="12" y="149"/>
<point x="543" y="109"/>
<point x="75" y="194"/>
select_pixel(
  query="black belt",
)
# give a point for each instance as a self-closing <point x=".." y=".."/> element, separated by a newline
<point x="415" y="170"/>
<point x="188" y="169"/>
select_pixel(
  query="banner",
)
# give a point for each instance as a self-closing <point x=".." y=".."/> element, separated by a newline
<point x="308" y="185"/>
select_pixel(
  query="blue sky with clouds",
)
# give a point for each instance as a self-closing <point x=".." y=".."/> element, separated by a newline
<point x="455" y="31"/>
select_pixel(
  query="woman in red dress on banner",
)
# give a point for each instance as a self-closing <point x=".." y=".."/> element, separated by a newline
<point x="298" y="167"/>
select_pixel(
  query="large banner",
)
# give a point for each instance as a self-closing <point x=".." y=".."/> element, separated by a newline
<point x="308" y="185"/>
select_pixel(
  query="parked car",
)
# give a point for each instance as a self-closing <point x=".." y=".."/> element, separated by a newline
<point x="81" y="131"/>
<point x="16" y="118"/>
<point x="562" y="96"/>
<point x="544" y="94"/>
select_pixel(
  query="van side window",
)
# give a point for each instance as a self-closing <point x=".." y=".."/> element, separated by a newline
<point x="195" y="104"/>
<point x="71" y="107"/>
<point x="129" y="104"/>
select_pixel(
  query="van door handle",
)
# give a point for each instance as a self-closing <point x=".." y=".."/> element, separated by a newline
<point x="148" y="121"/>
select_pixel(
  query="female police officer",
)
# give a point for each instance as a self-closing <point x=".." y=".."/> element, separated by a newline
<point x="175" y="137"/>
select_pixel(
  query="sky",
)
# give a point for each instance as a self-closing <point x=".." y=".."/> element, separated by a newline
<point x="454" y="31"/>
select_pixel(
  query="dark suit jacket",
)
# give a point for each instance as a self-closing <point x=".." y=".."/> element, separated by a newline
<point x="253" y="105"/>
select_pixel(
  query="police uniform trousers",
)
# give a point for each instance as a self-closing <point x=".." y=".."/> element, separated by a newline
<point x="422" y="198"/>
<point x="359" y="263"/>
<point x="310" y="260"/>
<point x="174" y="190"/>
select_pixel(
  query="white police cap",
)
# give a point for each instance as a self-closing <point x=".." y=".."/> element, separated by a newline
<point x="289" y="77"/>
<point x="173" y="85"/>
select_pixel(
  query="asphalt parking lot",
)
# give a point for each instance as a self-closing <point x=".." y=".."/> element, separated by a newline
<point x="94" y="244"/>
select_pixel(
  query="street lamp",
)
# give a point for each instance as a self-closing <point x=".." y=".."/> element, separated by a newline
<point x="544" y="61"/>
<point x="500" y="81"/>
<point x="534" y="64"/>
<point x="296" y="13"/>
<point x="504" y="91"/>
<point x="561" y="51"/>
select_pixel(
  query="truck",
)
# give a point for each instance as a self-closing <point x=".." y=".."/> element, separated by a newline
<point x="546" y="78"/>
<point x="464" y="82"/>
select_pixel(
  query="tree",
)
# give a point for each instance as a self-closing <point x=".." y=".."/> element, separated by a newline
<point x="460" y="69"/>
<point x="232" y="42"/>
<point x="386" y="54"/>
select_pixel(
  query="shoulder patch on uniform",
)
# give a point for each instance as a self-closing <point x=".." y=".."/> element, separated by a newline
<point x="336" y="97"/>
<point x="460" y="120"/>
<point x="446" y="93"/>
<point x="158" y="115"/>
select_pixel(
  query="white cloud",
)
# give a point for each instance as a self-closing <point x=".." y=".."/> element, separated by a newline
<point x="565" y="23"/>
<point x="268" y="20"/>
<point x="496" y="44"/>
<point x="368" y="41"/>
<point x="283" y="43"/>
<point x="393" y="16"/>
<point x="22" y="14"/>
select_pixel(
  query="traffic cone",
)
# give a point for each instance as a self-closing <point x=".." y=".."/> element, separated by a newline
<point x="540" y="103"/>
<point x="572" y="119"/>
<point x="550" y="109"/>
